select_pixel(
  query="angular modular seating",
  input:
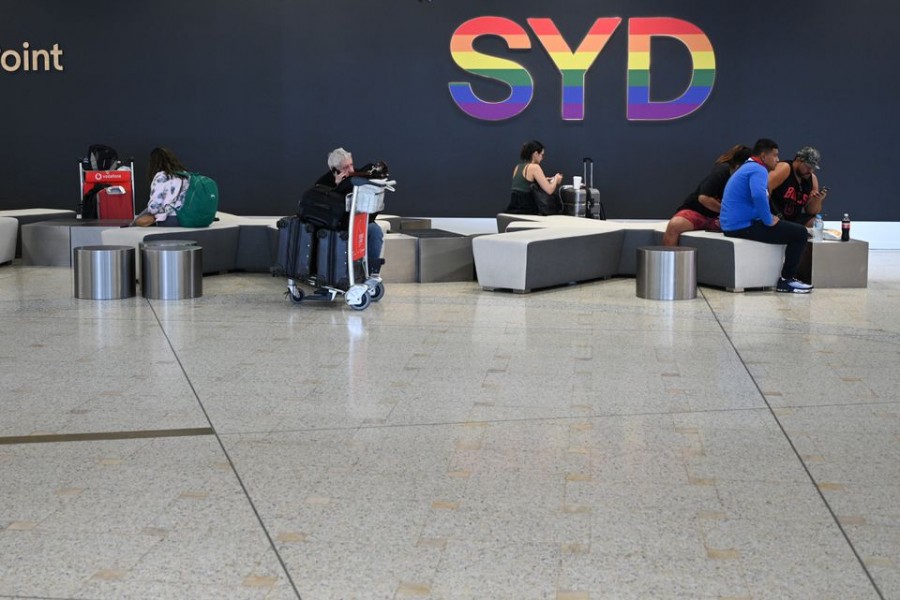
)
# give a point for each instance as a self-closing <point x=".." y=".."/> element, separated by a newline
<point x="523" y="261"/>
<point x="730" y="263"/>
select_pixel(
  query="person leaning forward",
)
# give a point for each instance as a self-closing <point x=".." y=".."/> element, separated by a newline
<point x="745" y="214"/>
<point x="794" y="188"/>
<point x="528" y="171"/>
<point x="700" y="210"/>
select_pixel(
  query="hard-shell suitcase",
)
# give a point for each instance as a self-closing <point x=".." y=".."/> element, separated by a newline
<point x="332" y="269"/>
<point x="594" y="205"/>
<point x="574" y="202"/>
<point x="295" y="248"/>
<point x="584" y="202"/>
<point x="114" y="202"/>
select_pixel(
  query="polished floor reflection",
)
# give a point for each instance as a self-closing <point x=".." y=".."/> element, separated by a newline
<point x="448" y="443"/>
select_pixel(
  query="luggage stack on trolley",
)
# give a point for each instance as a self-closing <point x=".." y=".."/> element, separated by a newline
<point x="105" y="185"/>
<point x="324" y="245"/>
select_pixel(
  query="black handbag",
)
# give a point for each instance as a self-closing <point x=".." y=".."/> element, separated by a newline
<point x="547" y="204"/>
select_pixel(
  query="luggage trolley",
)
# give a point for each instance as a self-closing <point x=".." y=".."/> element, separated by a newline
<point x="105" y="185"/>
<point x="361" y="289"/>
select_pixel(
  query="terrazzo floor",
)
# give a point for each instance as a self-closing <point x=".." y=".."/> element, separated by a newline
<point x="449" y="443"/>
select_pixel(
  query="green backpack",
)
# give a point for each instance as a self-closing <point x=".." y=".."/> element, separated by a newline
<point x="201" y="201"/>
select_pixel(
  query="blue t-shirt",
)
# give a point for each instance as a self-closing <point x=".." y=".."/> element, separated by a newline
<point x="746" y="198"/>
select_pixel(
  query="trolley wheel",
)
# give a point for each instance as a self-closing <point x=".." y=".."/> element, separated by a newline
<point x="363" y="303"/>
<point x="378" y="293"/>
<point x="296" y="298"/>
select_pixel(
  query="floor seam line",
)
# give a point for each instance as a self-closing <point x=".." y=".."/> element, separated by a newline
<point x="102" y="436"/>
<point x="228" y="458"/>
<point x="797" y="454"/>
<point x="494" y="421"/>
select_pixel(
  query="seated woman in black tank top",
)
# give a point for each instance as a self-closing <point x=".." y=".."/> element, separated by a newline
<point x="528" y="171"/>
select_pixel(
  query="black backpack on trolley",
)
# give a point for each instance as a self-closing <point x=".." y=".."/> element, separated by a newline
<point x="100" y="158"/>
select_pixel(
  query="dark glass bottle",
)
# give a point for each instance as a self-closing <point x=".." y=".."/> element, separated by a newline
<point x="845" y="228"/>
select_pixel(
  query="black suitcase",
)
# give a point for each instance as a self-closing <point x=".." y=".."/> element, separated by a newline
<point x="295" y="248"/>
<point x="332" y="269"/>
<point x="323" y="207"/>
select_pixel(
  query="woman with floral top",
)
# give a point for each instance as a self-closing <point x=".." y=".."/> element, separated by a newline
<point x="167" y="188"/>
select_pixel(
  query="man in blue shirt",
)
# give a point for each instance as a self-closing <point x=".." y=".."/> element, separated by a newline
<point x="745" y="214"/>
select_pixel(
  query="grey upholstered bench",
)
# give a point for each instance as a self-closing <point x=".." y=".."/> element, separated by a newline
<point x="733" y="263"/>
<point x="538" y="258"/>
<point x="730" y="263"/>
<point x="25" y="216"/>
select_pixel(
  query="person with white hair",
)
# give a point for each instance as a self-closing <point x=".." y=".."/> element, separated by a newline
<point x="340" y="164"/>
<point x="340" y="169"/>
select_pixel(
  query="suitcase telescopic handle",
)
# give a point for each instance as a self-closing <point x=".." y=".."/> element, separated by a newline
<point x="588" y="180"/>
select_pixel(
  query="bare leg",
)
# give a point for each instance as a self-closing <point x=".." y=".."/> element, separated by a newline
<point x="677" y="226"/>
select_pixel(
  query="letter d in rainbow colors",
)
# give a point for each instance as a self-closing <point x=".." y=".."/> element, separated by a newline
<point x="640" y="30"/>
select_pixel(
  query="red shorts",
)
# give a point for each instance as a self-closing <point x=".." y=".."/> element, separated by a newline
<point x="700" y="222"/>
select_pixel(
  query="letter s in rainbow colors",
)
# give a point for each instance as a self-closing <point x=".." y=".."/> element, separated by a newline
<point x="509" y="72"/>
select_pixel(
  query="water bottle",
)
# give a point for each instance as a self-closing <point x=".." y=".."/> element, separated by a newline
<point x="818" y="231"/>
<point x="845" y="228"/>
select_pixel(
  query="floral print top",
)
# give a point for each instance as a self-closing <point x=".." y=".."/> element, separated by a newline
<point x="166" y="195"/>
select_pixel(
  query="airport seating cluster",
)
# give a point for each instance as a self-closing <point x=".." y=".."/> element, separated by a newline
<point x="533" y="252"/>
<point x="530" y="252"/>
<point x="413" y="250"/>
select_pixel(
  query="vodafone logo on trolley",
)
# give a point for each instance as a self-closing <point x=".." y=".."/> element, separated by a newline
<point x="109" y="176"/>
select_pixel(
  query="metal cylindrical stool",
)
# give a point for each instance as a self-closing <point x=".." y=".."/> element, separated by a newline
<point x="667" y="273"/>
<point x="171" y="269"/>
<point x="104" y="272"/>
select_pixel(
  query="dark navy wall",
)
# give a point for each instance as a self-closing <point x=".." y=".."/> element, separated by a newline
<point x="255" y="94"/>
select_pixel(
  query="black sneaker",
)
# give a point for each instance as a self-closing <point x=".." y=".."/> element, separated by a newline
<point x="793" y="286"/>
<point x="374" y="266"/>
